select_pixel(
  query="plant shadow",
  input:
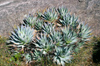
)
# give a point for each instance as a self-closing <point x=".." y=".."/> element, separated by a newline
<point x="96" y="51"/>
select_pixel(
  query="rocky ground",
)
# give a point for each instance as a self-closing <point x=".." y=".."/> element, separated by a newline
<point x="12" y="12"/>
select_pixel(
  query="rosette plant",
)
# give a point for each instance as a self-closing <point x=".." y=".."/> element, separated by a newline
<point x="21" y="36"/>
<point x="53" y="34"/>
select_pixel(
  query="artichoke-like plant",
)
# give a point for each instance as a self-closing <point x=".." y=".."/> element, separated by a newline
<point x="30" y="20"/>
<point x="62" y="11"/>
<point x="68" y="36"/>
<point x="37" y="55"/>
<point x="69" y="20"/>
<point x="44" y="44"/>
<point x="62" y="55"/>
<point x="28" y="57"/>
<point x="22" y="35"/>
<point x="56" y="37"/>
<point x="38" y="25"/>
<point x="49" y="15"/>
<point x="84" y="32"/>
<point x="66" y="20"/>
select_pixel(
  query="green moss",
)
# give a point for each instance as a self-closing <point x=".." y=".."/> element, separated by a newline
<point x="2" y="39"/>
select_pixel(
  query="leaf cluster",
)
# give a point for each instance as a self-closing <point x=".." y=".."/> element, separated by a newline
<point x="54" y="34"/>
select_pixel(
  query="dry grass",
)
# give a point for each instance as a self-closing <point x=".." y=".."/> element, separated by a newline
<point x="5" y="55"/>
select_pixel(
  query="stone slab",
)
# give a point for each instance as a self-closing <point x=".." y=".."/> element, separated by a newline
<point x="12" y="12"/>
